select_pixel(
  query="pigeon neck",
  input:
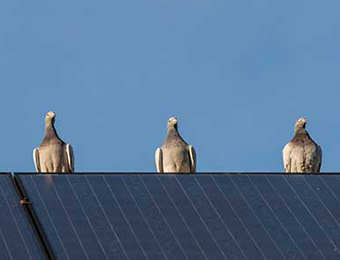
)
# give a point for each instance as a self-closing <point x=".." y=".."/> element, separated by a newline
<point x="172" y="131"/>
<point x="50" y="131"/>
<point x="300" y="131"/>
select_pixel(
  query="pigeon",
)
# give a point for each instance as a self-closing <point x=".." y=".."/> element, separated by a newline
<point x="175" y="155"/>
<point x="302" y="154"/>
<point x="53" y="155"/>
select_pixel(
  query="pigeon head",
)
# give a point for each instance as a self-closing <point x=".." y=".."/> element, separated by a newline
<point x="300" y="124"/>
<point x="50" y="118"/>
<point x="172" y="122"/>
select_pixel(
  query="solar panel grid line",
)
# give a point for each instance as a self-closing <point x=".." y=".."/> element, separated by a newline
<point x="183" y="219"/>
<point x="322" y="202"/>
<point x="330" y="190"/>
<point x="2" y="235"/>
<point x="223" y="211"/>
<point x="195" y="221"/>
<point x="107" y="218"/>
<point x="50" y="219"/>
<point x="199" y="215"/>
<point x="164" y="219"/>
<point x="231" y="217"/>
<point x="130" y="248"/>
<point x="280" y="234"/>
<point x="16" y="224"/>
<point x="240" y="220"/>
<point x="7" y="252"/>
<point x="145" y="220"/>
<point x="298" y="221"/>
<point x="277" y="218"/>
<point x="248" y="215"/>
<point x="125" y="218"/>
<point x="256" y="217"/>
<point x="136" y="217"/>
<point x="176" y="221"/>
<point x="330" y="183"/>
<point x="70" y="221"/>
<point x="312" y="215"/>
<point x="107" y="244"/>
<point x="307" y="242"/>
<point x="330" y="213"/>
<point x="220" y="218"/>
<point x="190" y="212"/>
<point x="87" y="218"/>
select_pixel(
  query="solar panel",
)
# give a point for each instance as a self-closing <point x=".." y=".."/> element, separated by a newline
<point x="203" y="216"/>
<point x="322" y="226"/>
<point x="17" y="240"/>
<point x="274" y="239"/>
<point x="168" y="210"/>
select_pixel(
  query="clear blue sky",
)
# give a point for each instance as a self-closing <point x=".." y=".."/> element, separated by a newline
<point x="237" y="74"/>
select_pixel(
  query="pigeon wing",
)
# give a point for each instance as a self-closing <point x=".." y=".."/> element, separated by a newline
<point x="319" y="158"/>
<point x="70" y="157"/>
<point x="286" y="156"/>
<point x="192" y="154"/>
<point x="159" y="160"/>
<point x="36" y="159"/>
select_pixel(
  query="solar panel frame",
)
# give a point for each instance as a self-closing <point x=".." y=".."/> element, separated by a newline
<point x="17" y="236"/>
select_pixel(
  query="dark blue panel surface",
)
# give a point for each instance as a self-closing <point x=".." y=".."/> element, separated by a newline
<point x="151" y="213"/>
<point x="289" y="235"/>
<point x="210" y="217"/>
<point x="17" y="240"/>
<point x="281" y="245"/>
<point x="322" y="226"/>
<point x="193" y="220"/>
<point x="306" y="224"/>
<point x="187" y="217"/>
<point x="230" y="218"/>
<point x="176" y="221"/>
<point x="145" y="236"/>
<point x="72" y="218"/>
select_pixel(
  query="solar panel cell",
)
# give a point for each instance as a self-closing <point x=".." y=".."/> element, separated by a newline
<point x="135" y="218"/>
<point x="86" y="190"/>
<point x="278" y="221"/>
<point x="322" y="226"/>
<point x="253" y="229"/>
<point x="193" y="219"/>
<point x="302" y="223"/>
<point x="329" y="204"/>
<point x="211" y="218"/>
<point x="152" y="215"/>
<point x="177" y="223"/>
<point x="117" y="218"/>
